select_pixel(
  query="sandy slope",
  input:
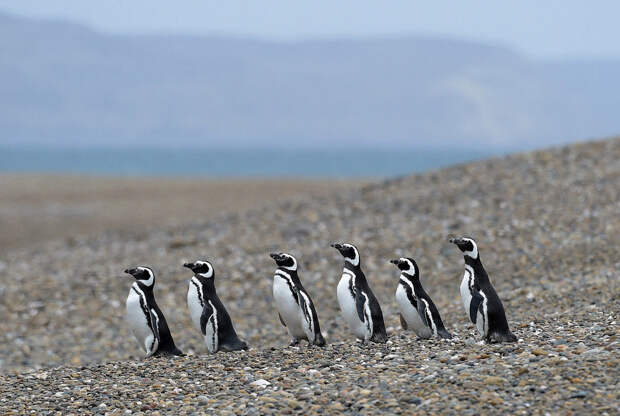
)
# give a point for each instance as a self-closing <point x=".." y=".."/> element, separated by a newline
<point x="35" y="208"/>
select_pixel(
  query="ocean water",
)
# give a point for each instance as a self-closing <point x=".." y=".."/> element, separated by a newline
<point x="233" y="163"/>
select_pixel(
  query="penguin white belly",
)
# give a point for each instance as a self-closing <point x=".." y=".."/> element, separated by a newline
<point x="139" y="324"/>
<point x="465" y="293"/>
<point x="411" y="315"/>
<point x="287" y="307"/>
<point x="349" y="309"/>
<point x="194" y="305"/>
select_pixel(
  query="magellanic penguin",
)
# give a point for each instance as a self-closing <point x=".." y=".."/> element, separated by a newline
<point x="146" y="320"/>
<point x="207" y="311"/>
<point x="480" y="300"/>
<point x="417" y="310"/>
<point x="295" y="308"/>
<point x="358" y="304"/>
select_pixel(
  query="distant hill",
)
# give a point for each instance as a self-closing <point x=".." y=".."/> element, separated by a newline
<point x="62" y="82"/>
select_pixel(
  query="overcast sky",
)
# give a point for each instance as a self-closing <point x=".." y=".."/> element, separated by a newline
<point x="550" y="29"/>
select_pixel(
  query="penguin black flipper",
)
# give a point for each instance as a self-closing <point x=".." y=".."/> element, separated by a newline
<point x="155" y="326"/>
<point x="423" y="311"/>
<point x="403" y="323"/>
<point x="310" y="318"/>
<point x="306" y="313"/>
<point x="379" y="334"/>
<point x="476" y="300"/>
<point x="207" y="313"/>
<point x="433" y="314"/>
<point x="210" y="334"/>
<point x="359" y="304"/>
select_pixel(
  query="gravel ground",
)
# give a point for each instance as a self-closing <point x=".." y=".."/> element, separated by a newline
<point x="548" y="228"/>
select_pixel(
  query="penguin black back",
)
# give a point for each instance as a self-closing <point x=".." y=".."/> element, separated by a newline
<point x="204" y="273"/>
<point x="291" y="298"/>
<point x="352" y="263"/>
<point x="411" y="273"/>
<point x="379" y="334"/>
<point x="494" y="313"/>
<point x="166" y="343"/>
<point x="143" y="286"/>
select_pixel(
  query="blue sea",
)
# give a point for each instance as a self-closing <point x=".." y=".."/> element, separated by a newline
<point x="369" y="163"/>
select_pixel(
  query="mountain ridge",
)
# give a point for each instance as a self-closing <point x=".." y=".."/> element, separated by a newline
<point x="64" y="82"/>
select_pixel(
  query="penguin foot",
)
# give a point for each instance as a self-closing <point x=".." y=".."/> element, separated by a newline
<point x="319" y="341"/>
<point x="175" y="353"/>
<point x="496" y="338"/>
<point x="444" y="334"/>
<point x="294" y="342"/>
<point x="239" y="346"/>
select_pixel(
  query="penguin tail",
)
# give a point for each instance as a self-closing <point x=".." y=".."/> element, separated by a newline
<point x="442" y="333"/>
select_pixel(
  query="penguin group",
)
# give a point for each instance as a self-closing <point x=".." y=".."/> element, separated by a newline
<point x="359" y="307"/>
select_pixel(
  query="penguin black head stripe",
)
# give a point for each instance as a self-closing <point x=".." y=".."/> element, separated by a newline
<point x="142" y="274"/>
<point x="349" y="252"/>
<point x="285" y="260"/>
<point x="203" y="268"/>
<point x="466" y="245"/>
<point x="407" y="266"/>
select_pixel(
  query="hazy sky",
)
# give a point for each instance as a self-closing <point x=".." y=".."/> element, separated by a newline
<point x="540" y="28"/>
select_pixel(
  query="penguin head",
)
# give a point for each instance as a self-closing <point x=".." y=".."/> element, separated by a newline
<point x="201" y="268"/>
<point x="467" y="245"/>
<point x="143" y="275"/>
<point x="407" y="266"/>
<point x="285" y="260"/>
<point x="349" y="252"/>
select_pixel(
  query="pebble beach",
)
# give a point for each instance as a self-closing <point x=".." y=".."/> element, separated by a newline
<point x="547" y="225"/>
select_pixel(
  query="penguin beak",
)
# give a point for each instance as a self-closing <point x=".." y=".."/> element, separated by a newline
<point x="337" y="246"/>
<point x="130" y="271"/>
<point x="395" y="261"/>
<point x="188" y="265"/>
<point x="275" y="256"/>
<point x="456" y="240"/>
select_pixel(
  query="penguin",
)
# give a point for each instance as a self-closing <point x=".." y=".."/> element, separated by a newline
<point x="480" y="300"/>
<point x="358" y="304"/>
<point x="417" y="309"/>
<point x="207" y="311"/>
<point x="146" y="320"/>
<point x="295" y="308"/>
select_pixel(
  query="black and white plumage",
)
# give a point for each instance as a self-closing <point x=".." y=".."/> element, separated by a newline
<point x="417" y="309"/>
<point x="207" y="311"/>
<point x="295" y="307"/>
<point x="358" y="304"/>
<point x="480" y="300"/>
<point x="146" y="320"/>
